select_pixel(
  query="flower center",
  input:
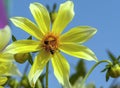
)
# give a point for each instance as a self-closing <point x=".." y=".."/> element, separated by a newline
<point x="50" y="43"/>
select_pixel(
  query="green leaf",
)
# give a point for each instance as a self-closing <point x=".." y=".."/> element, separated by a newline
<point x="81" y="69"/>
<point x="74" y="78"/>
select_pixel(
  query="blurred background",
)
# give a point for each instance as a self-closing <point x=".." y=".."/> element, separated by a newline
<point x="101" y="14"/>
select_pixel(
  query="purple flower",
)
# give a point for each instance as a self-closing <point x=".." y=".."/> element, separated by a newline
<point x="3" y="16"/>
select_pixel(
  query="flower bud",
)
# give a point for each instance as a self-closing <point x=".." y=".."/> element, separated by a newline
<point x="21" y="57"/>
<point x="13" y="83"/>
<point x="114" y="71"/>
<point x="25" y="82"/>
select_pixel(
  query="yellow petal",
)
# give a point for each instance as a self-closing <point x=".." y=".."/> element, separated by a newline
<point x="5" y="35"/>
<point x="4" y="67"/>
<point x="65" y="15"/>
<point x="28" y="26"/>
<point x="37" y="67"/>
<point x="78" y="34"/>
<point x="61" y="69"/>
<point x="3" y="80"/>
<point x="23" y="46"/>
<point x="78" y="51"/>
<point x="1" y="87"/>
<point x="41" y="15"/>
<point x="9" y="69"/>
<point x="13" y="70"/>
<point x="6" y="57"/>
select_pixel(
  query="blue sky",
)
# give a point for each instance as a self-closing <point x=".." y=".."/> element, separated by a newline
<point x="101" y="14"/>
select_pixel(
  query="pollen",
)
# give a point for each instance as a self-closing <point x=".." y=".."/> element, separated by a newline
<point x="50" y="43"/>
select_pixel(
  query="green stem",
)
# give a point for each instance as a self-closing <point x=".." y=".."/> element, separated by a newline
<point x="90" y="71"/>
<point x="47" y="68"/>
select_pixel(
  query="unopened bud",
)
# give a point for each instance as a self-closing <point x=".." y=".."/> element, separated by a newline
<point x="114" y="71"/>
<point x="13" y="83"/>
<point x="25" y="82"/>
<point x="21" y="57"/>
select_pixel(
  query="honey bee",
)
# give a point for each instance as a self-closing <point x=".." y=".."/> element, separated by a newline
<point x="49" y="47"/>
<point x="46" y="42"/>
<point x="52" y="51"/>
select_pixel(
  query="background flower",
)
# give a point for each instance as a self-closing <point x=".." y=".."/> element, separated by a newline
<point x="7" y="67"/>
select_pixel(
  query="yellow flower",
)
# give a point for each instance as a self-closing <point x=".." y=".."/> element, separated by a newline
<point x="50" y="42"/>
<point x="7" y="68"/>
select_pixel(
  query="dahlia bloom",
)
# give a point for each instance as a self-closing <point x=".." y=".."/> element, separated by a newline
<point x="50" y="41"/>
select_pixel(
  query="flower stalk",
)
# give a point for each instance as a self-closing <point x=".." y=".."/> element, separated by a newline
<point x="90" y="71"/>
<point x="47" y="71"/>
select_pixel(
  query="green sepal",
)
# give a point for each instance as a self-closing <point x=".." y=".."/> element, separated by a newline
<point x="29" y="38"/>
<point x="104" y="70"/>
<point x="54" y="7"/>
<point x="112" y="57"/>
<point x="13" y="38"/>
<point x="21" y="57"/>
<point x="107" y="76"/>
